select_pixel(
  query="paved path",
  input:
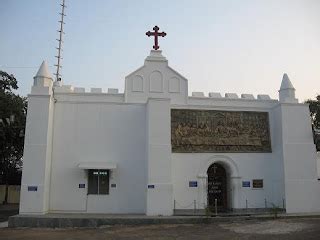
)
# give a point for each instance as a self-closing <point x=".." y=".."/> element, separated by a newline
<point x="8" y="210"/>
<point x="3" y="224"/>
<point x="283" y="229"/>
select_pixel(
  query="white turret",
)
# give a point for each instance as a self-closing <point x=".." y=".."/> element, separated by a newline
<point x="38" y="145"/>
<point x="287" y="91"/>
<point x="42" y="80"/>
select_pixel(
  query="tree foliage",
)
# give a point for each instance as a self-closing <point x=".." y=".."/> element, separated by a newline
<point x="7" y="82"/>
<point x="314" y="106"/>
<point x="13" y="110"/>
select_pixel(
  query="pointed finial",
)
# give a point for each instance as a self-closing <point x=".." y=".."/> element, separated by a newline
<point x="42" y="79"/>
<point x="286" y="83"/>
<point x="287" y="91"/>
<point x="44" y="71"/>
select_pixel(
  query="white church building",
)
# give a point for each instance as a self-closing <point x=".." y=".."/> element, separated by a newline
<point x="154" y="148"/>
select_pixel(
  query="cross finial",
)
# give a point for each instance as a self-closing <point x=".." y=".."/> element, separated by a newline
<point x="156" y="34"/>
<point x="214" y="168"/>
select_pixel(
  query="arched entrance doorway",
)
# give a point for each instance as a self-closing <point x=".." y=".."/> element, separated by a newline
<point x="217" y="186"/>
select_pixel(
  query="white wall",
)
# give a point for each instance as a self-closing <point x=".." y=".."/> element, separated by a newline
<point x="192" y="167"/>
<point x="98" y="132"/>
<point x="115" y="127"/>
<point x="300" y="161"/>
<point x="244" y="166"/>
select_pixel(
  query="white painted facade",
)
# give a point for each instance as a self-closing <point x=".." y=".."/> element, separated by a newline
<point x="130" y="134"/>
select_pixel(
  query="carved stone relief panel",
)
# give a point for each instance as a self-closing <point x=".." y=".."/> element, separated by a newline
<point x="219" y="131"/>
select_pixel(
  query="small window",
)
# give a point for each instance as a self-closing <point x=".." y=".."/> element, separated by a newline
<point x="257" y="183"/>
<point x="98" y="181"/>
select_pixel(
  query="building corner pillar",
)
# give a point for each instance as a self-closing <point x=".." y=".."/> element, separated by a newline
<point x="159" y="164"/>
<point x="35" y="183"/>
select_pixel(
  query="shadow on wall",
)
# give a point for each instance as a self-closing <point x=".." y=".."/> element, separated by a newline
<point x="316" y="137"/>
<point x="317" y="142"/>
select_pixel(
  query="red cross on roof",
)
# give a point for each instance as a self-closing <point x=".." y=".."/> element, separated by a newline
<point x="156" y="34"/>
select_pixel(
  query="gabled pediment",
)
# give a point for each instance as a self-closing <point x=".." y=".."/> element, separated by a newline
<point x="156" y="79"/>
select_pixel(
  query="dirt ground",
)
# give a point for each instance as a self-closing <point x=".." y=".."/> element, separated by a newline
<point x="268" y="230"/>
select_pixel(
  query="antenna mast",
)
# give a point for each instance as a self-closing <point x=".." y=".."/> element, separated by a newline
<point x="61" y="32"/>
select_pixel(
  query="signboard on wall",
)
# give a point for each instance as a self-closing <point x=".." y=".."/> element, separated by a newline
<point x="245" y="183"/>
<point x="219" y="131"/>
<point x="32" y="188"/>
<point x="193" y="184"/>
<point x="257" y="183"/>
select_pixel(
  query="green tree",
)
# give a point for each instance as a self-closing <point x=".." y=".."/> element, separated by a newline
<point x="13" y="110"/>
<point x="314" y="106"/>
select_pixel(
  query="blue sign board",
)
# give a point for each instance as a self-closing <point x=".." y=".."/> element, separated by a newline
<point x="32" y="188"/>
<point x="82" y="185"/>
<point x="193" y="184"/>
<point x="150" y="186"/>
<point x="245" y="183"/>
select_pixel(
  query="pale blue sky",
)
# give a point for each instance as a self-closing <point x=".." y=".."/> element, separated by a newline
<point x="241" y="46"/>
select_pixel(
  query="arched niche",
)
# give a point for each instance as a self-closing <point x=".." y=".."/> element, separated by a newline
<point x="137" y="83"/>
<point x="156" y="82"/>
